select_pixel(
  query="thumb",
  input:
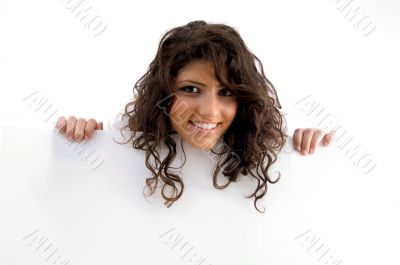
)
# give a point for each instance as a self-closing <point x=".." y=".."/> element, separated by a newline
<point x="328" y="137"/>
<point x="99" y="125"/>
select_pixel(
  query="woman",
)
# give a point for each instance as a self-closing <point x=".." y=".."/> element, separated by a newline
<point x="205" y="85"/>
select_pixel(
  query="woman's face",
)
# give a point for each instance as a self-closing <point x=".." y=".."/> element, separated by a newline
<point x="202" y="109"/>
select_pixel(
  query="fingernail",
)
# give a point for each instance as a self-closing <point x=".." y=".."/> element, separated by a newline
<point x="311" y="150"/>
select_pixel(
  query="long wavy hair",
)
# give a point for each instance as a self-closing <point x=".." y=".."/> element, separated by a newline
<point x="257" y="133"/>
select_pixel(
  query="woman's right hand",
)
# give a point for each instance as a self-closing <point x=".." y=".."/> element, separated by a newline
<point x="78" y="130"/>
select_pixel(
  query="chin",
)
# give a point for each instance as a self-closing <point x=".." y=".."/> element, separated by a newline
<point x="205" y="146"/>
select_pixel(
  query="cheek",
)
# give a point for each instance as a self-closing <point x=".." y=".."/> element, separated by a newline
<point x="180" y="111"/>
<point x="230" y="111"/>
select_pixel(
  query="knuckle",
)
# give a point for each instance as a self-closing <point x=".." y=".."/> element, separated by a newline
<point x="89" y="131"/>
<point x="72" y="118"/>
<point x="79" y="135"/>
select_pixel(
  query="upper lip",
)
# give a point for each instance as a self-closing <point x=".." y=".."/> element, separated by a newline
<point x="205" y="121"/>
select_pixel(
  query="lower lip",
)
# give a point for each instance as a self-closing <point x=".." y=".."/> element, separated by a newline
<point x="202" y="131"/>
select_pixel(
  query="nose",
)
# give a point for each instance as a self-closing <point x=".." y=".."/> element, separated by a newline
<point x="209" y="106"/>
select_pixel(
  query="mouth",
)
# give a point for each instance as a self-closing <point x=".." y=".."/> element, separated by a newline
<point x="204" y="127"/>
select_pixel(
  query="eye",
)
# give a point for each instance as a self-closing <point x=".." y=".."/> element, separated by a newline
<point x="190" y="89"/>
<point x="226" y="92"/>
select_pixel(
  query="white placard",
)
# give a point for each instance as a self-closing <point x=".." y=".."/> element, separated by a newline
<point x="84" y="204"/>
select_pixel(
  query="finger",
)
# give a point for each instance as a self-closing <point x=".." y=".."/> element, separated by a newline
<point x="79" y="130"/>
<point x="70" y="127"/>
<point x="61" y="124"/>
<point x="306" y="140"/>
<point x="328" y="137"/>
<point x="316" y="139"/>
<point x="297" y="136"/>
<point x="89" y="128"/>
<point x="99" y="126"/>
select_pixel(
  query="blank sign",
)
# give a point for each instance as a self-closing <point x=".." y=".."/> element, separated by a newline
<point x="65" y="203"/>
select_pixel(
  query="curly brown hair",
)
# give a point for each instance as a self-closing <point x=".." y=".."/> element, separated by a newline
<point x="257" y="132"/>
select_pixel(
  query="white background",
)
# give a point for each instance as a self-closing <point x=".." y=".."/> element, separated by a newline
<point x="307" y="48"/>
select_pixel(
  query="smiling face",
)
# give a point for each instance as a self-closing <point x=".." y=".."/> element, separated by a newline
<point x="202" y="109"/>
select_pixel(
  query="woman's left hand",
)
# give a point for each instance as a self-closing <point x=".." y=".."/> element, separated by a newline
<point x="306" y="140"/>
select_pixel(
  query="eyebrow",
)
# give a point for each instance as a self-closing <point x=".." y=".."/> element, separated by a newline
<point x="194" y="82"/>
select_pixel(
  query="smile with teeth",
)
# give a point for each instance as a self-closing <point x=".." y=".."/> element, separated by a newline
<point x="204" y="126"/>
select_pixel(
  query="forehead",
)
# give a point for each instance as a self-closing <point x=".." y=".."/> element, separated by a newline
<point x="198" y="69"/>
